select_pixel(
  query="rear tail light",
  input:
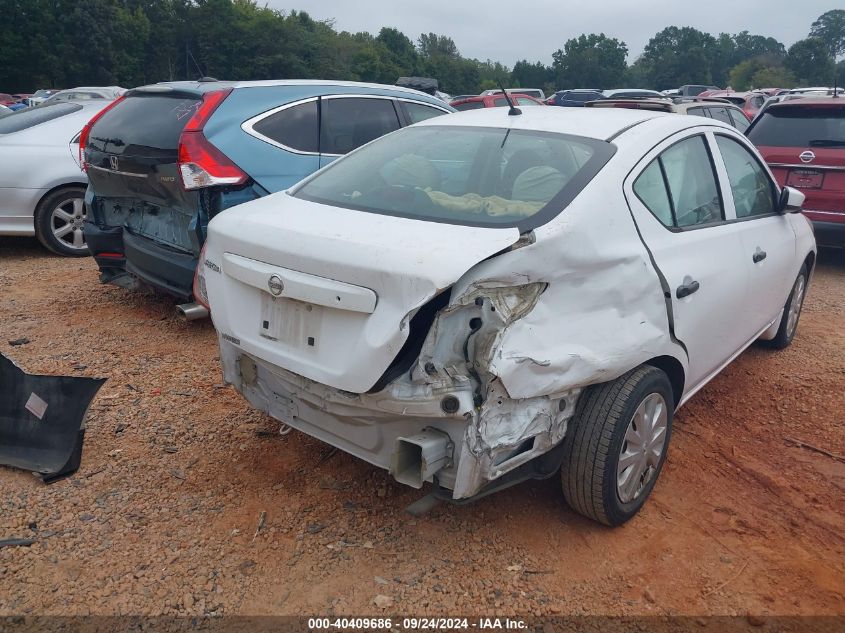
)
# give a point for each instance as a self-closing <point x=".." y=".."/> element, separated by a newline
<point x="200" y="291"/>
<point x="86" y="131"/>
<point x="201" y="164"/>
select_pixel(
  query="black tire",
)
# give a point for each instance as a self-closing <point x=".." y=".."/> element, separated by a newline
<point x="785" y="334"/>
<point x="44" y="221"/>
<point x="594" y="442"/>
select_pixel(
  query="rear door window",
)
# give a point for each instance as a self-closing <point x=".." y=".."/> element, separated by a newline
<point x="720" y="114"/>
<point x="417" y="112"/>
<point x="686" y="175"/>
<point x="740" y="121"/>
<point x="30" y="117"/>
<point x="796" y="126"/>
<point x="296" y="127"/>
<point x="697" y="112"/>
<point x="143" y="125"/>
<point x="753" y="191"/>
<point x="348" y="123"/>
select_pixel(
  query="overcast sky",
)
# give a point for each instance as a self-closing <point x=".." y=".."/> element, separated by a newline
<point x="509" y="30"/>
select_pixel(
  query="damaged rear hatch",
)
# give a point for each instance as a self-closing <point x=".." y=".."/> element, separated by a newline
<point x="323" y="281"/>
<point x="139" y="209"/>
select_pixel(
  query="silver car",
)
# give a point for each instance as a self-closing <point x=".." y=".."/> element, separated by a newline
<point x="86" y="93"/>
<point x="42" y="187"/>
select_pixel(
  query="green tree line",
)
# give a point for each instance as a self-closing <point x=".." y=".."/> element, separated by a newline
<point x="65" y="43"/>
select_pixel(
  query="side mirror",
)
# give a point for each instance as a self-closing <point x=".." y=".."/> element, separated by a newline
<point x="791" y="200"/>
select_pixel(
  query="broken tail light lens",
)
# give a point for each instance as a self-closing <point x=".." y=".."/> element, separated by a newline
<point x="201" y="164"/>
<point x="86" y="131"/>
<point x="199" y="289"/>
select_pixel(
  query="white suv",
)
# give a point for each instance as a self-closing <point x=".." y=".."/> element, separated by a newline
<point x="488" y="297"/>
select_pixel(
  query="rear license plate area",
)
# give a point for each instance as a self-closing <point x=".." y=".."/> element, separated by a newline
<point x="291" y="322"/>
<point x="805" y="178"/>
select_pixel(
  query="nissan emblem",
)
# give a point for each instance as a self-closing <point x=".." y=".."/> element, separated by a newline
<point x="276" y="285"/>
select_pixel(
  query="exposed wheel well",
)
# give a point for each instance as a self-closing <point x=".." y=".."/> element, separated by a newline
<point x="671" y="367"/>
<point x="64" y="185"/>
<point x="810" y="262"/>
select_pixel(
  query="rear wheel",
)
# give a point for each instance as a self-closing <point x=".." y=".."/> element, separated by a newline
<point x="60" y="220"/>
<point x="791" y="312"/>
<point x="617" y="444"/>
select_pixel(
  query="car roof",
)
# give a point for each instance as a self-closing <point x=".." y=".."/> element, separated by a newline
<point x="206" y="86"/>
<point x="810" y="102"/>
<point x="598" y="123"/>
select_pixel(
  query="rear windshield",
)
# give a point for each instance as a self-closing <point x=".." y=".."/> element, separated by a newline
<point x="143" y="125"/>
<point x="463" y="175"/>
<point x="469" y="105"/>
<point x="30" y="117"/>
<point x="799" y="127"/>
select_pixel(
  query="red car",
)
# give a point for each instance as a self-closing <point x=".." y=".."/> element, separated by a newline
<point x="6" y="99"/>
<point x="494" y="101"/>
<point x="803" y="141"/>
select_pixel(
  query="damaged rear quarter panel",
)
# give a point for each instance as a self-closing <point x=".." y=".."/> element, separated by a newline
<point x="603" y="311"/>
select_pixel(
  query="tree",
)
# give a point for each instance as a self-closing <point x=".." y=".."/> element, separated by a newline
<point x="810" y="61"/>
<point x="830" y="28"/>
<point x="678" y="56"/>
<point x="772" y="77"/>
<point x="399" y="48"/>
<point x="590" y="61"/>
<point x="432" y="45"/>
<point x="527" y="75"/>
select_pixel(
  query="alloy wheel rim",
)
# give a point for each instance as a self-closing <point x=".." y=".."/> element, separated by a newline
<point x="68" y="221"/>
<point x="642" y="447"/>
<point x="795" y="306"/>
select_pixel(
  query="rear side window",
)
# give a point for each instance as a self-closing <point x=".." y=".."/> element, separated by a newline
<point x="348" y="123"/>
<point x="296" y="127"/>
<point x="30" y="117"/>
<point x="753" y="192"/>
<point x="740" y="121"/>
<point x="417" y="112"/>
<point x="697" y="112"/>
<point x="795" y="126"/>
<point x="143" y="125"/>
<point x="500" y="102"/>
<point x="689" y="183"/>
<point x="581" y="96"/>
<point x="525" y="101"/>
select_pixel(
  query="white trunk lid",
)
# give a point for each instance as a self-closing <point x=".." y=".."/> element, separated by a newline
<point x="324" y="291"/>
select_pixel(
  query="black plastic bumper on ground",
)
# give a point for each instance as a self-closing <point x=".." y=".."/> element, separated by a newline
<point x="829" y="233"/>
<point x="41" y="420"/>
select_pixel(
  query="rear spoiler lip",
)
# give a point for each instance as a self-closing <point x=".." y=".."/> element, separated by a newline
<point x="164" y="91"/>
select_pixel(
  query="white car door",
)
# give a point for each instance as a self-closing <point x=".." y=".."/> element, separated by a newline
<point x="768" y="239"/>
<point x="676" y="202"/>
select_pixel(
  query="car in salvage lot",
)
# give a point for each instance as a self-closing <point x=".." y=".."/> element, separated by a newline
<point x="803" y="141"/>
<point x="168" y="157"/>
<point x="714" y="108"/>
<point x="495" y="296"/>
<point x="42" y="187"/>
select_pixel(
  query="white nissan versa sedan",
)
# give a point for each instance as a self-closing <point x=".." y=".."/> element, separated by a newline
<point x="493" y="296"/>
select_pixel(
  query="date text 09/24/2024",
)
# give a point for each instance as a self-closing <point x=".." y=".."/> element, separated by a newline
<point x="416" y="624"/>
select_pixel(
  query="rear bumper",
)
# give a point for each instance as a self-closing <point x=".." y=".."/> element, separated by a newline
<point x="119" y="252"/>
<point x="372" y="426"/>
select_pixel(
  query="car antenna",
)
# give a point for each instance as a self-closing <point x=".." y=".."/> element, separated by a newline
<point x="513" y="111"/>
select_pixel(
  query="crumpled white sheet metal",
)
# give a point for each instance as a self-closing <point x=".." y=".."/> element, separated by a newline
<point x="602" y="313"/>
